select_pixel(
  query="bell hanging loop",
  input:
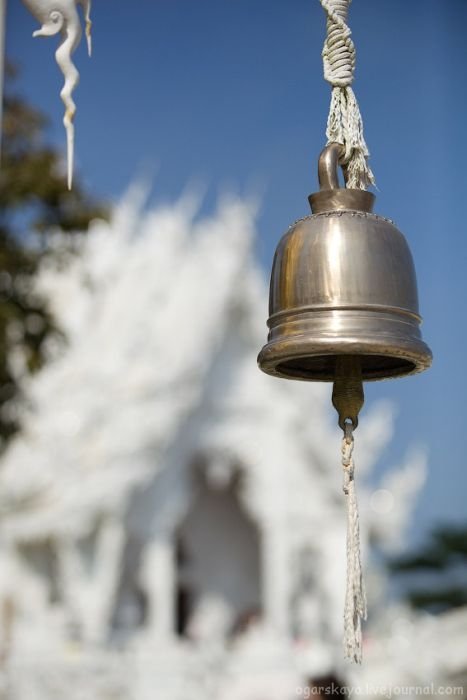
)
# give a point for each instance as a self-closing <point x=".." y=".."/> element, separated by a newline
<point x="328" y="164"/>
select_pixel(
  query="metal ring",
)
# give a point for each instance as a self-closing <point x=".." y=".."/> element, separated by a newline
<point x="328" y="162"/>
<point x="348" y="425"/>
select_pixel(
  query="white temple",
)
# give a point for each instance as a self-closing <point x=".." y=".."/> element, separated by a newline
<point x="172" y="520"/>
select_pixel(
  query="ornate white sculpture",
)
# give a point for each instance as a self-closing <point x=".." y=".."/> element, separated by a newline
<point x="62" y="16"/>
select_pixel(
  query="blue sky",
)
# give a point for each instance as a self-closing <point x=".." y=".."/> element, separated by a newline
<point x="230" y="92"/>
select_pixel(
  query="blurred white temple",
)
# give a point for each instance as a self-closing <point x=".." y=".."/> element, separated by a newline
<point x="172" y="521"/>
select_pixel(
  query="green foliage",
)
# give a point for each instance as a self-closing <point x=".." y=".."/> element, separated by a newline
<point x="439" y="600"/>
<point x="34" y="200"/>
<point x="444" y="559"/>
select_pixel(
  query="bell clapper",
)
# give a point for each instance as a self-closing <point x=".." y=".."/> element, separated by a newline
<point x="347" y="399"/>
<point x="347" y="390"/>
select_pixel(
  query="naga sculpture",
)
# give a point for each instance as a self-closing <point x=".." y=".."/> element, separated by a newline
<point x="62" y="16"/>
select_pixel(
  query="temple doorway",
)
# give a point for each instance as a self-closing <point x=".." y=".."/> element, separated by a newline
<point x="218" y="566"/>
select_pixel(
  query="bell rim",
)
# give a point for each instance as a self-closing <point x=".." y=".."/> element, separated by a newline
<point x="276" y="353"/>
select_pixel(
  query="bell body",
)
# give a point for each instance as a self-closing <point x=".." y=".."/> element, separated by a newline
<point x="343" y="284"/>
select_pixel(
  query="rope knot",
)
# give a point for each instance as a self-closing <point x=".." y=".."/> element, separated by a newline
<point x="338" y="50"/>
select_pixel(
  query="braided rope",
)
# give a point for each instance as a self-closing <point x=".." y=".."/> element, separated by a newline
<point x="339" y="50"/>
<point x="355" y="609"/>
<point x="345" y="125"/>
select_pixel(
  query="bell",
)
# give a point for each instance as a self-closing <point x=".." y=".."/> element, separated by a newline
<point x="343" y="302"/>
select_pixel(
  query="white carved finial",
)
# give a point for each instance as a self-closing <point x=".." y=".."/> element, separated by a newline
<point x="61" y="16"/>
<point x="87" y="18"/>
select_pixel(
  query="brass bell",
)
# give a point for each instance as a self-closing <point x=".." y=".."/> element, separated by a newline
<point x="343" y="302"/>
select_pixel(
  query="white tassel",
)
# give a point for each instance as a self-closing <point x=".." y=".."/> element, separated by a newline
<point x="355" y="609"/>
<point x="345" y="126"/>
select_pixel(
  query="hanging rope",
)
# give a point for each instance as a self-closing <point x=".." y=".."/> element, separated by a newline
<point x="355" y="598"/>
<point x="345" y="124"/>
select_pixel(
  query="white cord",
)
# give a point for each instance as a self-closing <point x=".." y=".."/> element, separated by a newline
<point x="345" y="124"/>
<point x="355" y="599"/>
